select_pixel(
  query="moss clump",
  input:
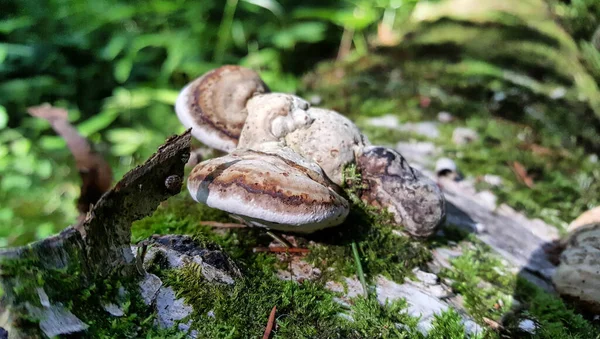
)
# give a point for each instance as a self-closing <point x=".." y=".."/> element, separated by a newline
<point x="380" y="249"/>
<point x="178" y="215"/>
<point x="306" y="310"/>
<point x="490" y="291"/>
<point x="448" y="325"/>
<point x="481" y="279"/>
<point x="84" y="298"/>
<point x="563" y="180"/>
<point x="553" y="318"/>
<point x="371" y="320"/>
<point x="387" y="136"/>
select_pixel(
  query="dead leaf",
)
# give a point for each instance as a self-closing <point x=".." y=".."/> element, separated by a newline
<point x="521" y="173"/>
<point x="270" y="323"/>
<point x="494" y="325"/>
<point x="95" y="172"/>
<point x="386" y="35"/>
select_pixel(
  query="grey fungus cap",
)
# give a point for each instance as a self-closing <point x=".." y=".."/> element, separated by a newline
<point x="268" y="190"/>
<point x="214" y="105"/>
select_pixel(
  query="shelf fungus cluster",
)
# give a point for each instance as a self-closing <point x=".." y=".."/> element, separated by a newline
<point x="285" y="160"/>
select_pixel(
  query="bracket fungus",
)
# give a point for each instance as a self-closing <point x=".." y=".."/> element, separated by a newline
<point x="414" y="200"/>
<point x="577" y="278"/>
<point x="214" y="104"/>
<point x="286" y="159"/>
<point x="268" y="190"/>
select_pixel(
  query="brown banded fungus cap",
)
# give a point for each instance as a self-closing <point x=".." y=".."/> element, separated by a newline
<point x="414" y="200"/>
<point x="268" y="190"/>
<point x="214" y="105"/>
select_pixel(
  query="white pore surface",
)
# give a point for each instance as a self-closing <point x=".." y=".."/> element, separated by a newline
<point x="204" y="134"/>
<point x="314" y="218"/>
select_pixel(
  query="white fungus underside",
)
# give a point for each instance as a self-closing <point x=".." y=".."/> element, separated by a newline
<point x="307" y="222"/>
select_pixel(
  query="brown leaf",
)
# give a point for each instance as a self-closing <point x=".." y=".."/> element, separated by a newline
<point x="521" y="174"/>
<point x="95" y="173"/>
<point x="386" y="35"/>
<point x="270" y="323"/>
<point x="494" y="325"/>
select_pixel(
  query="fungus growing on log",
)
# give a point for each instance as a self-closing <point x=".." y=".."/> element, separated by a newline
<point x="287" y="159"/>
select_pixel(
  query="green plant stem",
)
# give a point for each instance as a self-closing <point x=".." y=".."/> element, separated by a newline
<point x="225" y="30"/>
<point x="280" y="239"/>
<point x="359" y="269"/>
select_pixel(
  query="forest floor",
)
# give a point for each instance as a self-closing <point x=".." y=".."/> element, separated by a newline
<point x="511" y="192"/>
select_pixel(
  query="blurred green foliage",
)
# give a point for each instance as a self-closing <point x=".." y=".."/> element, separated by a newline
<point x="117" y="66"/>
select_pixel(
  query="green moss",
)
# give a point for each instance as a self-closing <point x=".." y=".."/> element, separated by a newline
<point x="304" y="310"/>
<point x="178" y="215"/>
<point x="447" y="325"/>
<point x="371" y="320"/>
<point x="82" y="297"/>
<point x="380" y="249"/>
<point x="553" y="318"/>
<point x="562" y="179"/>
<point x="481" y="279"/>
<point x="490" y="291"/>
<point x="387" y="136"/>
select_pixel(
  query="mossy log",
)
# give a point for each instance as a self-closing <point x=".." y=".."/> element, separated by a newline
<point x="44" y="281"/>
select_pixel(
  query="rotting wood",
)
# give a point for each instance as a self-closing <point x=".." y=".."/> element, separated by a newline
<point x="40" y="279"/>
<point x="138" y="194"/>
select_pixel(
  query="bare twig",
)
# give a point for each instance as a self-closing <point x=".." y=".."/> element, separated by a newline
<point x="222" y="224"/>
<point x="270" y="323"/>
<point x="282" y="250"/>
<point x="494" y="325"/>
<point x="279" y="239"/>
<point x="345" y="43"/>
